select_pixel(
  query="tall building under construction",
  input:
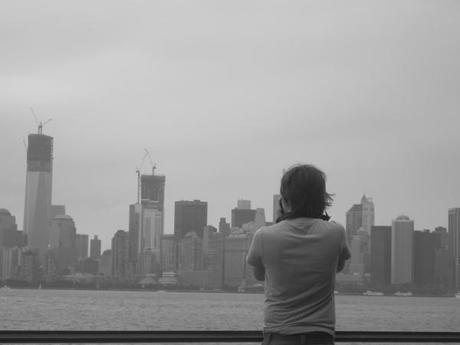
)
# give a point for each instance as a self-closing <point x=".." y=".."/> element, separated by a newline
<point x="38" y="190"/>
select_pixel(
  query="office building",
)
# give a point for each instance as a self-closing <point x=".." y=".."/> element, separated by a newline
<point x="426" y="245"/>
<point x="236" y="271"/>
<point x="380" y="260"/>
<point x="224" y="227"/>
<point x="190" y="216"/>
<point x="120" y="258"/>
<point x="402" y="232"/>
<point x="153" y="189"/>
<point x="213" y="249"/>
<point x="95" y="248"/>
<point x="10" y="236"/>
<point x="67" y="243"/>
<point x="82" y="242"/>
<point x="242" y="216"/>
<point x="105" y="263"/>
<point x="168" y="253"/>
<point x="10" y="263"/>
<point x="359" y="252"/>
<point x="276" y="207"/>
<point x="191" y="253"/>
<point x="454" y="245"/>
<point x="30" y="266"/>
<point x="38" y="190"/>
<point x="145" y="229"/>
<point x="360" y="216"/>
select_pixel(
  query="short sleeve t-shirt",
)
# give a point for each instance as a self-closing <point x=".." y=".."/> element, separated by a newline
<point x="300" y="258"/>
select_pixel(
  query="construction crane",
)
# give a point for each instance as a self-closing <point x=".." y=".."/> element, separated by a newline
<point x="138" y="172"/>
<point x="40" y="124"/>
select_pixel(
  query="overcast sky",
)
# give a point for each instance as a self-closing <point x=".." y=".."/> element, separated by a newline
<point x="225" y="94"/>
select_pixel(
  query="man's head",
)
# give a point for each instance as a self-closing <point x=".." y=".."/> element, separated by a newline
<point x="303" y="191"/>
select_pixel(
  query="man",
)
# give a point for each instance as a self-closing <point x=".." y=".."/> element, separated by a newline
<point x="298" y="258"/>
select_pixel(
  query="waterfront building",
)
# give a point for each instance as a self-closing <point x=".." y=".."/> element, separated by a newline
<point x="359" y="252"/>
<point x="147" y="263"/>
<point x="58" y="223"/>
<point x="67" y="243"/>
<point x="360" y="216"/>
<point x="191" y="252"/>
<point x="236" y="271"/>
<point x="276" y="207"/>
<point x="38" y="190"/>
<point x="454" y="245"/>
<point x="168" y="253"/>
<point x="105" y="263"/>
<point x="10" y="263"/>
<point x="402" y="230"/>
<point x="30" y="266"/>
<point x="88" y="265"/>
<point x="10" y="236"/>
<point x="120" y="258"/>
<point x="95" y="248"/>
<point x="82" y="242"/>
<point x="214" y="257"/>
<point x="145" y="229"/>
<point x="426" y="245"/>
<point x="190" y="216"/>
<point x="50" y="265"/>
<point x="380" y="259"/>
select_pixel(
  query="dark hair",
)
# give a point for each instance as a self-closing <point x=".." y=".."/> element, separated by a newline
<point x="303" y="187"/>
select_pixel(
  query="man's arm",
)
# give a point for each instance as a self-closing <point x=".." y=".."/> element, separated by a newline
<point x="254" y="257"/>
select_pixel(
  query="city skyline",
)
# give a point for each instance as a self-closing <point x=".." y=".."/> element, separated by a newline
<point x="106" y="237"/>
<point x="226" y="97"/>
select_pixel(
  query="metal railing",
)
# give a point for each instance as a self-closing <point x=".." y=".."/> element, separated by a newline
<point x="211" y="337"/>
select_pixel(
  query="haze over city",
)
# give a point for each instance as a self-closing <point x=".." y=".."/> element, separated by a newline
<point x="225" y="97"/>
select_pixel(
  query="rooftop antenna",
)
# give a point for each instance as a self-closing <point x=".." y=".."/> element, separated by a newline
<point x="40" y="124"/>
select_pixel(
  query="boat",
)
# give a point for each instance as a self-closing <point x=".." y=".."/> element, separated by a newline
<point x="403" y="294"/>
<point x="372" y="293"/>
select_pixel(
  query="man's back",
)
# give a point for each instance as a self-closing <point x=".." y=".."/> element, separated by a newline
<point x="300" y="257"/>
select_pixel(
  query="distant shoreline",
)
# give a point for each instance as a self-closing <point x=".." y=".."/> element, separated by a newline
<point x="198" y="291"/>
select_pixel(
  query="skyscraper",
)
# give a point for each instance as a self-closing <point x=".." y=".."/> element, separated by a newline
<point x="380" y="256"/>
<point x="454" y="245"/>
<point x="145" y="229"/>
<point x="120" y="259"/>
<point x="402" y="234"/>
<point x="95" y="248"/>
<point x="82" y="242"/>
<point x="360" y="216"/>
<point x="153" y="189"/>
<point x="190" y="216"/>
<point x="146" y="220"/>
<point x="38" y="190"/>
<point x="426" y="245"/>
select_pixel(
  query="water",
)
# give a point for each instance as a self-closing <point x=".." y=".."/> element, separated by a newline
<point x="146" y="310"/>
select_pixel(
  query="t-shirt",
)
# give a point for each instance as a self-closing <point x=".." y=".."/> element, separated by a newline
<point x="300" y="258"/>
